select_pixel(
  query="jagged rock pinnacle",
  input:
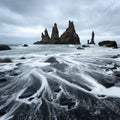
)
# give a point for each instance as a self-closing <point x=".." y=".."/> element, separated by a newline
<point x="92" y="38"/>
<point x="70" y="36"/>
<point x="55" y="34"/>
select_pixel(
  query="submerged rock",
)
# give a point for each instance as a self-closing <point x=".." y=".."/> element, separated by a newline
<point x="4" y="47"/>
<point x="108" y="43"/>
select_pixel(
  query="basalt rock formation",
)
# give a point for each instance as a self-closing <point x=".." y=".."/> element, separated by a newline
<point x="45" y="38"/>
<point x="68" y="37"/>
<point x="55" y="35"/>
<point x="108" y="43"/>
<point x="92" y="38"/>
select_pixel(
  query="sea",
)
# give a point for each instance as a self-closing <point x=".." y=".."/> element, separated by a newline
<point x="60" y="82"/>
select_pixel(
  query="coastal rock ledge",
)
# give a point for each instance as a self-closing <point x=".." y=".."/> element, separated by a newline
<point x="4" y="47"/>
<point x="108" y="43"/>
<point x="68" y="37"/>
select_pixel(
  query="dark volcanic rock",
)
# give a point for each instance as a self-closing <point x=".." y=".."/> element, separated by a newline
<point x="85" y="46"/>
<point x="2" y="113"/>
<point x="25" y="45"/>
<point x="108" y="43"/>
<point x="67" y="102"/>
<point x="2" y="80"/>
<point x="55" y="34"/>
<point x="45" y="38"/>
<point x="92" y="39"/>
<point x="5" y="60"/>
<point x="70" y="36"/>
<point x="4" y="47"/>
<point x="80" y="48"/>
<point x="52" y="60"/>
<point x="22" y="58"/>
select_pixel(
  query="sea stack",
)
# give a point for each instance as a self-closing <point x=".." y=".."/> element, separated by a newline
<point x="92" y="38"/>
<point x="55" y="35"/>
<point x="70" y="36"/>
<point x="45" y="37"/>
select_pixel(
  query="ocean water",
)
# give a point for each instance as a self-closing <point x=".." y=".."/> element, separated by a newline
<point x="60" y="82"/>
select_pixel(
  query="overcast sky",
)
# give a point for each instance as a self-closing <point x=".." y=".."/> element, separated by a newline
<point x="22" y="21"/>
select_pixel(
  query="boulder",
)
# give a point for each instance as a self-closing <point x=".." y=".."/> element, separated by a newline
<point x="108" y="43"/>
<point x="4" y="47"/>
<point x="22" y="58"/>
<point x="52" y="60"/>
<point x="70" y="36"/>
<point x="5" y="60"/>
<point x="25" y="45"/>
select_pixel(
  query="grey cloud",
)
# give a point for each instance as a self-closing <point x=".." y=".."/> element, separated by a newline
<point x="88" y="15"/>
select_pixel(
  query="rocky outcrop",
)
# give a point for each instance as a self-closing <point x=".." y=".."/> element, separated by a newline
<point x="108" y="43"/>
<point x="70" y="36"/>
<point x="92" y="38"/>
<point x="55" y="34"/>
<point x="4" y="47"/>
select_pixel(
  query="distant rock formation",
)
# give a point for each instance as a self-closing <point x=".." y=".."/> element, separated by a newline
<point x="108" y="43"/>
<point x="45" y="38"/>
<point x="92" y="38"/>
<point x="68" y="37"/>
<point x="55" y="35"/>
